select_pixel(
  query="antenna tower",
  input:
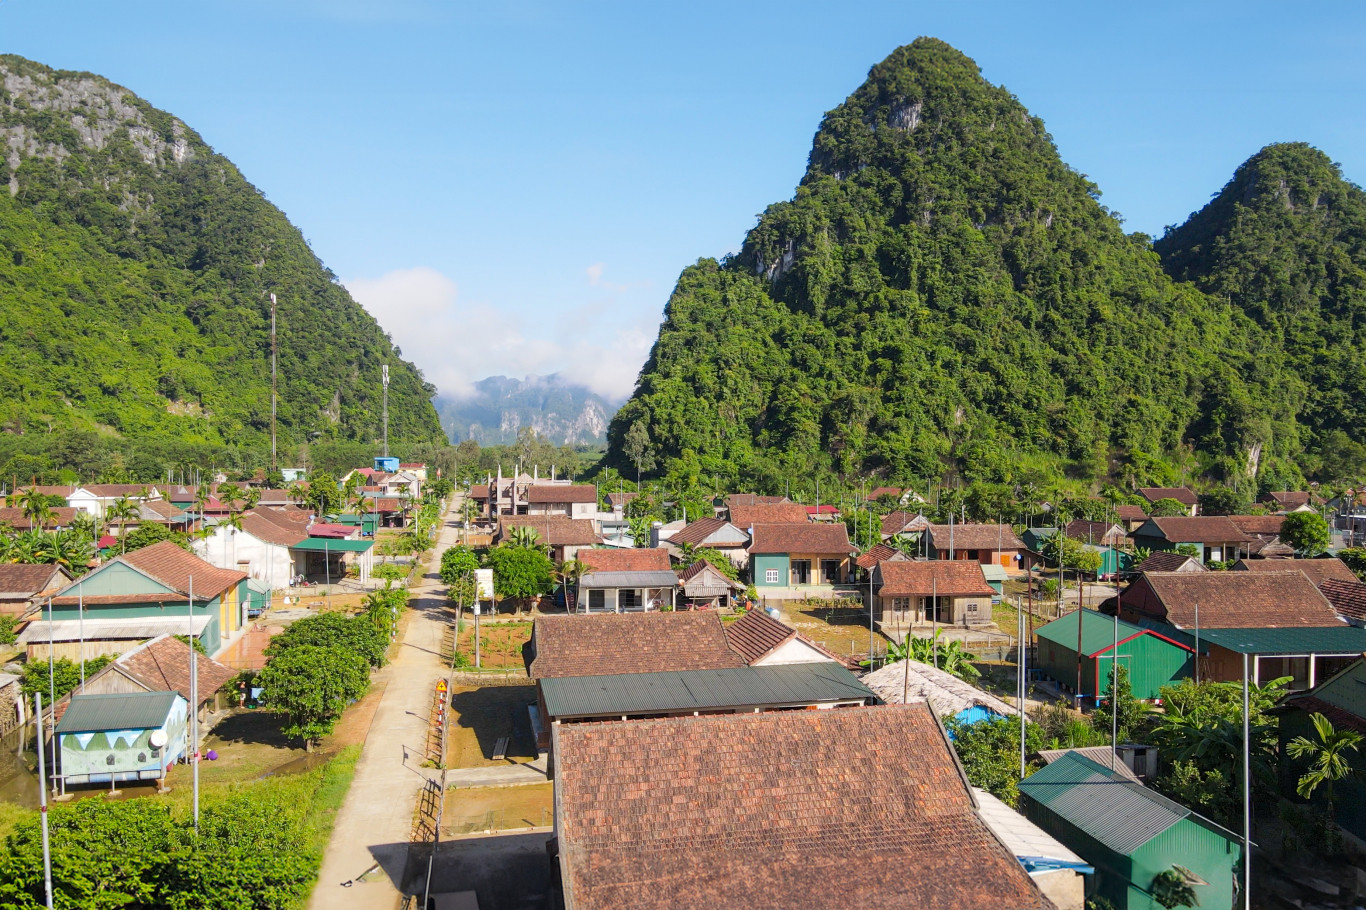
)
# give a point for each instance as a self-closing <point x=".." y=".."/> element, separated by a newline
<point x="384" y="372"/>
<point x="273" y="361"/>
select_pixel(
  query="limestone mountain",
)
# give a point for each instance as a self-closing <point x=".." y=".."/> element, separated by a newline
<point x="1285" y="241"/>
<point x="944" y="295"/>
<point x="136" y="266"/>
<point x="559" y="411"/>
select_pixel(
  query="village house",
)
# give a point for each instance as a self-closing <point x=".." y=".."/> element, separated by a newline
<point x="1286" y="501"/>
<point x="261" y="548"/>
<point x="882" y="552"/>
<point x="1279" y="619"/>
<point x="22" y="586"/>
<point x="1130" y="834"/>
<point x="1318" y="570"/>
<point x="702" y="585"/>
<point x="915" y="593"/>
<point x="1348" y="599"/>
<point x="745" y="517"/>
<point x="96" y="498"/>
<point x="802" y="794"/>
<point x="1215" y="537"/>
<point x="762" y="641"/>
<point x="1183" y="495"/>
<point x="785" y="557"/>
<point x="1131" y="516"/>
<point x="1097" y="533"/>
<point x="566" y="537"/>
<point x="909" y="681"/>
<point x="983" y="543"/>
<point x="138" y="596"/>
<point x="132" y="736"/>
<point x="617" y="502"/>
<point x="1341" y="698"/>
<point x="626" y="580"/>
<point x="60" y="519"/>
<point x="904" y="524"/>
<point x="1169" y="561"/>
<point x="1263" y="533"/>
<point x="715" y="534"/>
<point x="568" y="500"/>
<point x="1151" y="659"/>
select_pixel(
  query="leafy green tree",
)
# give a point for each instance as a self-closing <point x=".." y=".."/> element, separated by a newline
<point x="312" y="686"/>
<point x="148" y="533"/>
<point x="520" y="573"/>
<point x="1355" y="558"/>
<point x="1208" y="792"/>
<point x="7" y="626"/>
<point x="1329" y="758"/>
<point x="355" y="635"/>
<point x="1168" y="508"/>
<point x="456" y="563"/>
<point x="990" y="753"/>
<point x="66" y="675"/>
<point x="637" y="448"/>
<point x="37" y="512"/>
<point x="1225" y="501"/>
<point x="1132" y="712"/>
<point x="524" y="536"/>
<point x="1307" y="532"/>
<point x="323" y="496"/>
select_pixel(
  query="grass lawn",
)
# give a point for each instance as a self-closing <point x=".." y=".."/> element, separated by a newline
<point x="480" y="716"/>
<point x="842" y="630"/>
<point x="500" y="643"/>
<point x="497" y="808"/>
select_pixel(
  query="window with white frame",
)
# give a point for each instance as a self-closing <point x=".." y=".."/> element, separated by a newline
<point x="771" y="576"/>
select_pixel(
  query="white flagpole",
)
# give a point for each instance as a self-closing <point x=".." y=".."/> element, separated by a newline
<point x="51" y="687"/>
<point x="1247" y="796"/>
<point x="42" y="797"/>
<point x="194" y="711"/>
<point x="1023" y="682"/>
<point x="80" y="615"/>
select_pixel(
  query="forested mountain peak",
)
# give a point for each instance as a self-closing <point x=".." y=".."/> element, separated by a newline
<point x="136" y="267"/>
<point x="945" y="296"/>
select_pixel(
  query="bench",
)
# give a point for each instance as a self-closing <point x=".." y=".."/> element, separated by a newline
<point x="500" y="748"/>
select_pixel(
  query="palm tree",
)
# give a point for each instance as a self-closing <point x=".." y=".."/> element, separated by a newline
<point x="36" y="509"/>
<point x="1328" y="757"/>
<point x="233" y="524"/>
<point x="567" y="575"/>
<point x="524" y="536"/>
<point x="120" y="512"/>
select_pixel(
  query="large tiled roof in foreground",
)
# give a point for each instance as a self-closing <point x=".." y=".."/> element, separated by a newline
<point x="855" y="807"/>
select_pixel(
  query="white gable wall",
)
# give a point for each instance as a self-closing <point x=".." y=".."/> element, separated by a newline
<point x="268" y="563"/>
<point x="794" y="651"/>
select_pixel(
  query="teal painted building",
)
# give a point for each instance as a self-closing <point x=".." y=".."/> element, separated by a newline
<point x="125" y="737"/>
<point x="1342" y="700"/>
<point x="1152" y="659"/>
<point x="138" y="596"/>
<point x="1131" y="834"/>
<point x="1112" y="561"/>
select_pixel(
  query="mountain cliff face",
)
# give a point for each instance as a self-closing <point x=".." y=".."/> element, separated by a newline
<point x="944" y="294"/>
<point x="135" y="272"/>
<point x="1285" y="241"/>
<point x="561" y="413"/>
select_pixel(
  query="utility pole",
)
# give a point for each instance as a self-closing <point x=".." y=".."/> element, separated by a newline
<point x="42" y="795"/>
<point x="274" y="360"/>
<point x="384" y="373"/>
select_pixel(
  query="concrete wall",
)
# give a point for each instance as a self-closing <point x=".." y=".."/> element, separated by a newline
<point x="241" y="551"/>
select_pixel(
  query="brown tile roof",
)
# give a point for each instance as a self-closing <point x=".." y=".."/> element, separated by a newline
<point x="901" y="521"/>
<point x="162" y="508"/>
<point x="1347" y="597"/>
<point x="549" y="493"/>
<point x="860" y="807"/>
<point x="743" y="517"/>
<point x="976" y="537"/>
<point x="26" y="581"/>
<point x="1258" y="525"/>
<point x="264" y="529"/>
<point x="698" y="531"/>
<point x="1169" y="561"/>
<point x="1180" y="494"/>
<point x="1100" y="533"/>
<point x="289" y="517"/>
<point x="877" y="554"/>
<point x="1318" y="570"/>
<point x="555" y="530"/>
<point x="479" y="491"/>
<point x="1270" y="548"/>
<point x="621" y="499"/>
<point x="62" y="516"/>
<point x="1131" y="513"/>
<point x="806" y="538"/>
<point x="388" y="504"/>
<point x="700" y="567"/>
<point x="756" y="634"/>
<point x="163" y="664"/>
<point x="1287" y="499"/>
<point x="1231" y="600"/>
<point x="173" y="567"/>
<point x="604" y="644"/>
<point x="115" y="490"/>
<point x="48" y="490"/>
<point x="877" y="492"/>
<point x="640" y="559"/>
<point x="956" y="578"/>
<point x="1199" y="529"/>
<point x="750" y="499"/>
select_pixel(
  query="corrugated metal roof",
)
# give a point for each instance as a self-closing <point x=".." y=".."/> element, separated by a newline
<point x="1097" y="631"/>
<point x="1342" y="639"/>
<point x="629" y="580"/>
<point x="133" y="711"/>
<point x="697" y="690"/>
<point x="127" y="628"/>
<point x="1118" y="812"/>
<point x="329" y="545"/>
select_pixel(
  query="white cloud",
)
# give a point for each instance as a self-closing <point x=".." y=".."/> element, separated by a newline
<point x="456" y="343"/>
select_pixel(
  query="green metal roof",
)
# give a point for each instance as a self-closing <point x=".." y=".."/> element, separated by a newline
<point x="697" y="690"/>
<point x="1120" y="813"/>
<point x="132" y="711"/>
<point x="1097" y="631"/>
<point x="1317" y="640"/>
<point x="331" y="545"/>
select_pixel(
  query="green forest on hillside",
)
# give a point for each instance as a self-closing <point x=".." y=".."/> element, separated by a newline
<point x="135" y="272"/>
<point x="945" y="298"/>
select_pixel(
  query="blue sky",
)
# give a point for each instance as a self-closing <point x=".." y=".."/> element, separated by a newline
<point x="513" y="187"/>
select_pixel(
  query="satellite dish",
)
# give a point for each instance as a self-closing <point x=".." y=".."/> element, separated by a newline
<point x="158" y="739"/>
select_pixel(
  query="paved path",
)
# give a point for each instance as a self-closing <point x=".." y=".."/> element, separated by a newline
<point x="375" y="820"/>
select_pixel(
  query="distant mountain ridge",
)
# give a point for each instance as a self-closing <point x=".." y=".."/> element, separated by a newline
<point x="561" y="412"/>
